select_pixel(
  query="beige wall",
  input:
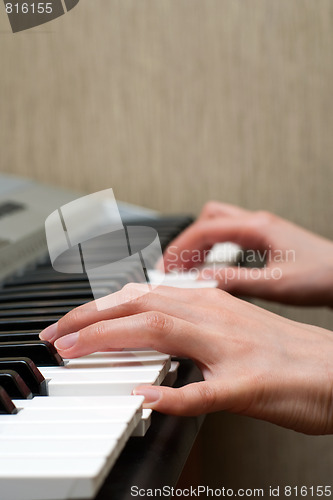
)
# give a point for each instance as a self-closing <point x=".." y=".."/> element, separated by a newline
<point x="173" y="102"/>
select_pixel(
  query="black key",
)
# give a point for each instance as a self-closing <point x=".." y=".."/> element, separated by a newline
<point x="18" y="336"/>
<point x="40" y="303"/>
<point x="21" y="330"/>
<point x="6" y="404"/>
<point x="121" y="279"/>
<point x="59" y="291"/>
<point x="35" y="312"/>
<point x="44" y="287"/>
<point x="28" y="371"/>
<point x="172" y="221"/>
<point x="14" y="385"/>
<point x="41" y="352"/>
<point x="38" y="292"/>
<point x="27" y="323"/>
<point x="45" y="278"/>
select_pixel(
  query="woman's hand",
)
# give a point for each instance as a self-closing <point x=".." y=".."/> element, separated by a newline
<point x="299" y="264"/>
<point x="253" y="362"/>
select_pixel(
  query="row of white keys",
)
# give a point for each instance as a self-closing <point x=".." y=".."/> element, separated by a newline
<point x="105" y="383"/>
<point x="62" y="448"/>
<point x="119" y="407"/>
<point x="115" y="373"/>
<point x="105" y="374"/>
<point x="55" y="435"/>
<point x="64" y="439"/>
<point x="51" y="478"/>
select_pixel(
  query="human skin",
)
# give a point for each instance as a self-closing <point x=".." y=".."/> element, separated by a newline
<point x="253" y="362"/>
<point x="305" y="279"/>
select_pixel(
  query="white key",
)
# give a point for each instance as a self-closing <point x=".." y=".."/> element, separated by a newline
<point x="51" y="478"/>
<point x="50" y="372"/>
<point x="185" y="279"/>
<point x="98" y="386"/>
<point x="64" y="430"/>
<point x="53" y="416"/>
<point x="118" y="358"/>
<point x="97" y="376"/>
<point x="81" y="402"/>
<point x="155" y="275"/>
<point x="105" y="368"/>
<point x="224" y="254"/>
<point x="101" y="365"/>
<point x="144" y="423"/>
<point x="27" y="445"/>
<point x="171" y="377"/>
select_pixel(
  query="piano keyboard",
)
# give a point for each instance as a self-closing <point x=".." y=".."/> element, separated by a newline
<point x="63" y="423"/>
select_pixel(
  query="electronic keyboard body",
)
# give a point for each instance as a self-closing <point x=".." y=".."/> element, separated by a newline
<point x="65" y="424"/>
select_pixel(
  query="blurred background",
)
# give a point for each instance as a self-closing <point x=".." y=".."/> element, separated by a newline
<point x="172" y="103"/>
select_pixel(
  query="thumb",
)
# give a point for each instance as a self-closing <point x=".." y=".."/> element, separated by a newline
<point x="255" y="282"/>
<point x="193" y="399"/>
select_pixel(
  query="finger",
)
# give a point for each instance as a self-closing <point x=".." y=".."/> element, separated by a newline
<point x="211" y="210"/>
<point x="214" y="209"/>
<point x="191" y="246"/>
<point x="193" y="399"/>
<point x="255" y="282"/>
<point x="152" y="330"/>
<point x="132" y="299"/>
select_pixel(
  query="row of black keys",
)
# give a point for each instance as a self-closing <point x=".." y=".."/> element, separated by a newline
<point x="20" y="377"/>
<point x="31" y="301"/>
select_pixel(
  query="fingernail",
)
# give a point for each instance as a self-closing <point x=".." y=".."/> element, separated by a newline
<point x="49" y="332"/>
<point x="150" y="395"/>
<point x="67" y="341"/>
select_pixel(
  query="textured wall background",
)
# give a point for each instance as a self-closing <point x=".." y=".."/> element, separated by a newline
<point x="173" y="102"/>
